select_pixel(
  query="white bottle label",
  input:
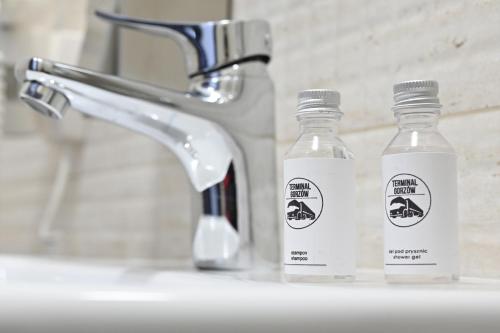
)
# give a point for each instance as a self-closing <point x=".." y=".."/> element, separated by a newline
<point x="420" y="198"/>
<point x="319" y="226"/>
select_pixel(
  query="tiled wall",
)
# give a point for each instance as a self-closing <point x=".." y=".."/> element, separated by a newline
<point x="119" y="202"/>
<point x="52" y="29"/>
<point x="361" y="48"/>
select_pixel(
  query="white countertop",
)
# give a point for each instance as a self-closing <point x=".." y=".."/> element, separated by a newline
<point x="54" y="296"/>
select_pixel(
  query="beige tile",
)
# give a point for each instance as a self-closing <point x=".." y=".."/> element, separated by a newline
<point x="362" y="47"/>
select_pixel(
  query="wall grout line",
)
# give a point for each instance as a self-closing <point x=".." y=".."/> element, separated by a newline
<point x="456" y="114"/>
<point x="385" y="126"/>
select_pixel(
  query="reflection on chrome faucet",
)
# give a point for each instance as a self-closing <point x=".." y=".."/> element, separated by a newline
<point x="221" y="129"/>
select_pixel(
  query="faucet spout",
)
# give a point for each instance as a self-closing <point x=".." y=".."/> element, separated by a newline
<point x="47" y="101"/>
<point x="201" y="146"/>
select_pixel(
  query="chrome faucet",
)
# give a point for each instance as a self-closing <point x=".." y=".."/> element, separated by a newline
<point x="221" y="128"/>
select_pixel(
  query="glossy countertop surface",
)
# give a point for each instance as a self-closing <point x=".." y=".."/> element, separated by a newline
<point x="48" y="295"/>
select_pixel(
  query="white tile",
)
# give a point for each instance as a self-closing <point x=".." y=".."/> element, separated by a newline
<point x="362" y="47"/>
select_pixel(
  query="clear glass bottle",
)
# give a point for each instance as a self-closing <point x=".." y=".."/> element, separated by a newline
<point x="319" y="247"/>
<point x="420" y="191"/>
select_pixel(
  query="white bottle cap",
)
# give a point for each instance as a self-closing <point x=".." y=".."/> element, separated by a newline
<point x="416" y="94"/>
<point x="318" y="101"/>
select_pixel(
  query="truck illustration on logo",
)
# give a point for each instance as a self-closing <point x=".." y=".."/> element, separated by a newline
<point x="301" y="211"/>
<point x="407" y="208"/>
<point x="408" y="200"/>
<point x="303" y="203"/>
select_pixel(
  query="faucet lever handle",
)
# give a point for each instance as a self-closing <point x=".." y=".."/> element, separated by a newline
<point x="207" y="46"/>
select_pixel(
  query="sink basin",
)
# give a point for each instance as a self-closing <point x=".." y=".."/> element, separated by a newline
<point x="48" y="295"/>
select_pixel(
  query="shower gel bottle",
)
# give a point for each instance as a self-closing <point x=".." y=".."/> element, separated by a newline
<point x="319" y="234"/>
<point x="419" y="191"/>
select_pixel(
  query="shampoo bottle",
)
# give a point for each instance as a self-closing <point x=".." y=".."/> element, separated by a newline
<point x="319" y="224"/>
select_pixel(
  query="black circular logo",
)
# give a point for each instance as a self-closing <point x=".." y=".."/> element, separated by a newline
<point x="407" y="200"/>
<point x="303" y="203"/>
